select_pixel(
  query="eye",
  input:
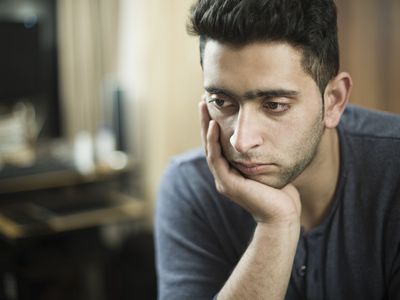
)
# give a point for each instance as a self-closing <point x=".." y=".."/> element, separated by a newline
<point x="222" y="103"/>
<point x="217" y="102"/>
<point x="276" y="107"/>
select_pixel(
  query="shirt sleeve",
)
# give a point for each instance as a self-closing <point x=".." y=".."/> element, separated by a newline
<point x="393" y="250"/>
<point x="394" y="284"/>
<point x="190" y="262"/>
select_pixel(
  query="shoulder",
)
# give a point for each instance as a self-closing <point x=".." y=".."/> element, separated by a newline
<point x="367" y="123"/>
<point x="371" y="137"/>
<point x="190" y="166"/>
<point x="370" y="147"/>
<point x="188" y="187"/>
<point x="195" y="157"/>
<point x="187" y="177"/>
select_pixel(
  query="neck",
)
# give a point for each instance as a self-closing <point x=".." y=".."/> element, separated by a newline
<point x="317" y="183"/>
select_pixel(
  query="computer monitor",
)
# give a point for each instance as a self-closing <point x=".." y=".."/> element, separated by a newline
<point x="28" y="60"/>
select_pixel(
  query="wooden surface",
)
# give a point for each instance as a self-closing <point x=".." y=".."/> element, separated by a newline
<point x="369" y="32"/>
<point x="27" y="219"/>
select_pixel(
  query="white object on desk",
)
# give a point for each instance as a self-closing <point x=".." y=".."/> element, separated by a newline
<point x="83" y="153"/>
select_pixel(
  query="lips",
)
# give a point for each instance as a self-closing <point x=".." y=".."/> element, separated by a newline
<point x="251" y="169"/>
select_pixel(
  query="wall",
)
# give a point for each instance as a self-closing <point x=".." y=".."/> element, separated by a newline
<point x="174" y="89"/>
<point x="159" y="69"/>
<point x="369" y="33"/>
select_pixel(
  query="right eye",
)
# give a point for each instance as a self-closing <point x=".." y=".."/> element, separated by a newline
<point x="221" y="105"/>
<point x="218" y="102"/>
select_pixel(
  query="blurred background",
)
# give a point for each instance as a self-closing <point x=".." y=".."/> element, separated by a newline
<point x="95" y="98"/>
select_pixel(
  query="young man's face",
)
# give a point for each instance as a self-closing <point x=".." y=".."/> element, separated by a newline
<point x="269" y="110"/>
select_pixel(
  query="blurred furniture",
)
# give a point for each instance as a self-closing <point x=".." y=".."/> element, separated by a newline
<point x="68" y="236"/>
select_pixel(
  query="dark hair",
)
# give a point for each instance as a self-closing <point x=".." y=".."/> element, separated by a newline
<point x="309" y="25"/>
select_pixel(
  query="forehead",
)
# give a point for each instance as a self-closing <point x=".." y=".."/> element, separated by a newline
<point x="253" y="66"/>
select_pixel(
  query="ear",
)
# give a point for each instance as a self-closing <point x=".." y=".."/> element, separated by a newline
<point x="336" y="97"/>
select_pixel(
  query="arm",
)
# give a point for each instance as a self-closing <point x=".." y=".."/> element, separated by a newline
<point x="193" y="262"/>
<point x="393" y="250"/>
<point x="264" y="270"/>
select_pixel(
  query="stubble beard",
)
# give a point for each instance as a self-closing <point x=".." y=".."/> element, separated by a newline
<point x="305" y="151"/>
<point x="309" y="151"/>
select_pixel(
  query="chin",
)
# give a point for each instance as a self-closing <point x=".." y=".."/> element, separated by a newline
<point x="273" y="181"/>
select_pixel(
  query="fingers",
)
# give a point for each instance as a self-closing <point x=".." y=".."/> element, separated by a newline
<point x="210" y="136"/>
<point x="225" y="176"/>
<point x="212" y="142"/>
<point x="204" y="122"/>
<point x="217" y="163"/>
<point x="210" y="139"/>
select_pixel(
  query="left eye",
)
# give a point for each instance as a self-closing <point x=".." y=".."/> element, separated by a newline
<point x="276" y="107"/>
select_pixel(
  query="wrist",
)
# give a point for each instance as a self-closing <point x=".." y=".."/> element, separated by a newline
<point x="285" y="229"/>
<point x="287" y="221"/>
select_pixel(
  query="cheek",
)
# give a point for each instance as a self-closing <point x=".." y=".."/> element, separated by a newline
<point x="214" y="113"/>
<point x="226" y="131"/>
<point x="300" y="133"/>
<point x="282" y="138"/>
<point x="224" y="122"/>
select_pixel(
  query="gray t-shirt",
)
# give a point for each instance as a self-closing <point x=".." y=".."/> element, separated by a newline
<point x="353" y="254"/>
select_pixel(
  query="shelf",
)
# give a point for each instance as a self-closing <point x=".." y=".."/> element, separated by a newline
<point x="32" y="218"/>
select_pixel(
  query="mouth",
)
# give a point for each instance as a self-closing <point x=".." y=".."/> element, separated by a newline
<point x="252" y="169"/>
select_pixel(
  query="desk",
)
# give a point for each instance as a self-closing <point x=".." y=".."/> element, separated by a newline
<point x="64" y="241"/>
<point x="64" y="212"/>
<point x="79" y="265"/>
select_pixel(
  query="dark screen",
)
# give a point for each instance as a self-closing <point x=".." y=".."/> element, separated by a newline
<point x="19" y="61"/>
<point x="29" y="60"/>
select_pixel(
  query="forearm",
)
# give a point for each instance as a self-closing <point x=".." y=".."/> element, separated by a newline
<point x="264" y="270"/>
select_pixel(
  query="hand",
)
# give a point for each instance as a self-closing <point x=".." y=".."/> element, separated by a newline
<point x="266" y="204"/>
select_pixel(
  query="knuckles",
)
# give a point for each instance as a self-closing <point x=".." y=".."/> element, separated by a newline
<point x="211" y="159"/>
<point x="225" y="189"/>
<point x="220" y="187"/>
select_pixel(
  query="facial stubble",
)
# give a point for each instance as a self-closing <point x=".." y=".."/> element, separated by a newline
<point x="306" y="149"/>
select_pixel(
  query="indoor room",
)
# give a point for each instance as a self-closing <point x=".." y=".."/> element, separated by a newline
<point x="96" y="98"/>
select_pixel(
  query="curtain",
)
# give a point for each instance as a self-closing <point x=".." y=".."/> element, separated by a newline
<point x="88" y="33"/>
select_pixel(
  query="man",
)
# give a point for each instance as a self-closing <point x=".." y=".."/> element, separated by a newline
<point x="295" y="196"/>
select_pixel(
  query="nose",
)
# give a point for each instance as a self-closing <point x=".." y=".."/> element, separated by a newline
<point x="247" y="134"/>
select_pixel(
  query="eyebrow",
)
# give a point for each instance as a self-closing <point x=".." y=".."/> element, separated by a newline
<point x="221" y="91"/>
<point x="250" y="95"/>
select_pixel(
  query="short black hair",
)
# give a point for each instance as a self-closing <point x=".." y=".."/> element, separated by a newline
<point x="309" y="25"/>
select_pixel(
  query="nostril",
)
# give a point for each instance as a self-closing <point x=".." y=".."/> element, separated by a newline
<point x="243" y="142"/>
<point x="247" y="132"/>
